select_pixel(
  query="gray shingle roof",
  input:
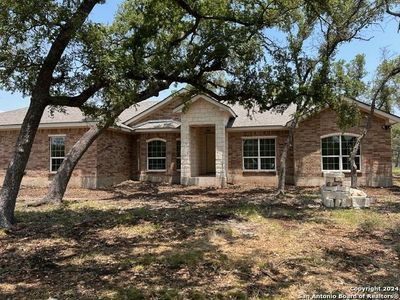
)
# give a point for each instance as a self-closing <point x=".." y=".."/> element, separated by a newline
<point x="74" y="115"/>
<point x="15" y="117"/>
<point x="254" y="118"/>
<point x="70" y="115"/>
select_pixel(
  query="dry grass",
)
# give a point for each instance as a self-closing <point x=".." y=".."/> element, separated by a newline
<point x="159" y="242"/>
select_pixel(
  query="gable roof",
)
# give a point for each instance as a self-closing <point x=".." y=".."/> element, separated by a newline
<point x="241" y="117"/>
<point x="154" y="107"/>
<point x="209" y="99"/>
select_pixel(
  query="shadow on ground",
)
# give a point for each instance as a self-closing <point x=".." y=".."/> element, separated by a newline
<point x="155" y="242"/>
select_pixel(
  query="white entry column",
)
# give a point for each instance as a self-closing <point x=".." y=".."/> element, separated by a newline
<point x="220" y="152"/>
<point x="186" y="171"/>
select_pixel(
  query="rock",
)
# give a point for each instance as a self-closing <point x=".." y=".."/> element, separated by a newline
<point x="340" y="196"/>
<point x="357" y="192"/>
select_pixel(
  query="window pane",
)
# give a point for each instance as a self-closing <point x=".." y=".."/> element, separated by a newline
<point x="251" y="164"/>
<point x="267" y="163"/>
<point x="347" y="165"/>
<point x="267" y="147"/>
<point x="156" y="149"/>
<point x="348" y="144"/>
<point x="157" y="164"/>
<point x="250" y="148"/>
<point x="55" y="164"/>
<point x="57" y="146"/>
<point x="330" y="145"/>
<point x="178" y="148"/>
<point x="330" y="163"/>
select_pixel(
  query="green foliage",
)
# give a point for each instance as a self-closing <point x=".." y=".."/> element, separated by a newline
<point x="389" y="96"/>
<point x="27" y="30"/>
<point x="227" y="48"/>
<point x="348" y="77"/>
<point x="348" y="114"/>
<point x="396" y="147"/>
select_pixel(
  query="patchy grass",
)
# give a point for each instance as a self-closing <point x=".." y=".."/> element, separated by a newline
<point x="396" y="171"/>
<point x="363" y="219"/>
<point x="141" y="241"/>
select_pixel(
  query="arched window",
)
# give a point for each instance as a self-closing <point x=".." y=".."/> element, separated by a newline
<point x="335" y="150"/>
<point x="156" y="155"/>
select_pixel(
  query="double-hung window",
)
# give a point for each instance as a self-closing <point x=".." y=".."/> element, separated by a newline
<point x="156" y="155"/>
<point x="259" y="154"/>
<point x="178" y="154"/>
<point x="336" y="150"/>
<point x="57" y="152"/>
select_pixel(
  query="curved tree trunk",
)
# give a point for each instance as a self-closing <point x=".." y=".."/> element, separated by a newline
<point x="60" y="181"/>
<point x="283" y="159"/>
<point x="354" y="178"/>
<point x="397" y="164"/>
<point x="16" y="168"/>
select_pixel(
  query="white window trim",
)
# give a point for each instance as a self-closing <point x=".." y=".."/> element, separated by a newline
<point x="258" y="157"/>
<point x="50" y="136"/>
<point x="180" y="157"/>
<point x="147" y="154"/>
<point x="340" y="151"/>
<point x="57" y="135"/>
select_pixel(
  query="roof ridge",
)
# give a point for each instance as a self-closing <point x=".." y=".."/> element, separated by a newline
<point x="13" y="110"/>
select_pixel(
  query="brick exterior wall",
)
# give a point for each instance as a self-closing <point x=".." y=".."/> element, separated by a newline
<point x="376" y="152"/>
<point x="235" y="157"/>
<point x="38" y="168"/>
<point x="115" y="157"/>
<point x="171" y="175"/>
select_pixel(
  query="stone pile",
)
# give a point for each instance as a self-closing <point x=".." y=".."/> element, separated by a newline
<point x="337" y="193"/>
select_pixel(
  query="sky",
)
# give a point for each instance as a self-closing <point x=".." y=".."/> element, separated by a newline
<point x="382" y="36"/>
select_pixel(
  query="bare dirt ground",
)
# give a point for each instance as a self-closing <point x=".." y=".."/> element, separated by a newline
<point x="144" y="241"/>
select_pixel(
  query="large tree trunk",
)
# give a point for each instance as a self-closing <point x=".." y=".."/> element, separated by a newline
<point x="283" y="159"/>
<point x="16" y="168"/>
<point x="60" y="181"/>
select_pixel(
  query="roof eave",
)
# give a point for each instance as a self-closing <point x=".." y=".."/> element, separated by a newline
<point x="51" y="125"/>
<point x="157" y="130"/>
<point x="393" y="119"/>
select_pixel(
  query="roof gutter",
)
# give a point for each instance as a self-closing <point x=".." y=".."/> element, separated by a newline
<point x="256" y="128"/>
<point x="62" y="125"/>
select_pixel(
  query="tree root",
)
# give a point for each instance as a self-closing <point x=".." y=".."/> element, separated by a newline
<point x="280" y="194"/>
<point x="4" y="223"/>
<point x="42" y="202"/>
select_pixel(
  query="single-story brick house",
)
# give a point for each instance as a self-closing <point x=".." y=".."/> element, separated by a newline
<point x="201" y="141"/>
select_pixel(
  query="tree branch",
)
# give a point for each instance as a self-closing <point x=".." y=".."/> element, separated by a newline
<point x="79" y="100"/>
<point x="66" y="34"/>
<point x="389" y="11"/>
<point x="183" y="4"/>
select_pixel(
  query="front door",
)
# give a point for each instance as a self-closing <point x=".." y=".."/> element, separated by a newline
<point x="210" y="153"/>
